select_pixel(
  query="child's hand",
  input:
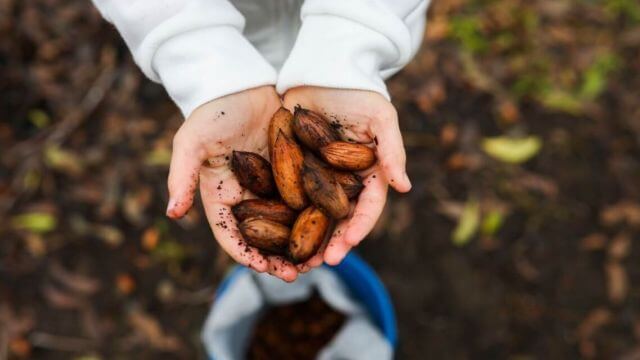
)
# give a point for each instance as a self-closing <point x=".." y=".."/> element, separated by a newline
<point x="364" y="117"/>
<point x="201" y="150"/>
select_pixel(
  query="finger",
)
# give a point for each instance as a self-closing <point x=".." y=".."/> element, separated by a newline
<point x="390" y="152"/>
<point x="223" y="223"/>
<point x="226" y="232"/>
<point x="186" y="161"/>
<point x="368" y="208"/>
<point x="219" y="186"/>
<point x="282" y="268"/>
<point x="337" y="249"/>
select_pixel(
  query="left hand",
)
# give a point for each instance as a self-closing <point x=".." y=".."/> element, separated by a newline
<point x="365" y="117"/>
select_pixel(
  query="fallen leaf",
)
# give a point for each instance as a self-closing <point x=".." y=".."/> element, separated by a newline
<point x="169" y="250"/>
<point x="491" y="223"/>
<point x="63" y="160"/>
<point x="37" y="222"/>
<point x="159" y="156"/>
<point x="448" y="134"/>
<point x="617" y="282"/>
<point x="20" y="347"/>
<point x="38" y="118"/>
<point x="587" y="329"/>
<point x="150" y="328"/>
<point x="624" y="211"/>
<point x="467" y="224"/>
<point x="512" y="150"/>
<point x="596" y="241"/>
<point x="109" y="234"/>
<point x="150" y="238"/>
<point x="451" y="209"/>
<point x="166" y="291"/>
<point x="457" y="162"/>
<point x="135" y="203"/>
<point x="35" y="244"/>
<point x="593" y="321"/>
<point x="508" y="112"/>
<point x="619" y="247"/>
<point x="125" y="284"/>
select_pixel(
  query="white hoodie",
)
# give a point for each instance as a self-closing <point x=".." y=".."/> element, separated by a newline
<point x="204" y="49"/>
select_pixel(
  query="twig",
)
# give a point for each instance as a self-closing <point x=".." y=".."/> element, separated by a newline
<point x="89" y="103"/>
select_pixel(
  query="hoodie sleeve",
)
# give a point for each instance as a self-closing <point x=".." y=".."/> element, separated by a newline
<point x="353" y="44"/>
<point x="195" y="48"/>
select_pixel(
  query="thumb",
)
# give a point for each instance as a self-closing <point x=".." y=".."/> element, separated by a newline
<point x="186" y="160"/>
<point x="390" y="152"/>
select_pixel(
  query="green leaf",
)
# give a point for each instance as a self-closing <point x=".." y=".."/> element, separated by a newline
<point x="512" y="150"/>
<point x="38" y="118"/>
<point x="596" y="77"/>
<point x="37" y="222"/>
<point x="63" y="160"/>
<point x="158" y="157"/>
<point x="467" y="224"/>
<point x="468" y="31"/>
<point x="169" y="250"/>
<point x="559" y="99"/>
<point x="492" y="223"/>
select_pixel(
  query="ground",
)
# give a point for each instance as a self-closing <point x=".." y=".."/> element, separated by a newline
<point x="503" y="249"/>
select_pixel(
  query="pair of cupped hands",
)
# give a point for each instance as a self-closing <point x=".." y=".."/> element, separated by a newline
<point x="202" y="150"/>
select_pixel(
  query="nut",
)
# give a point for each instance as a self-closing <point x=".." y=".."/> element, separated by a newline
<point x="313" y="130"/>
<point x="253" y="173"/>
<point x="324" y="191"/>
<point x="287" y="171"/>
<point x="266" y="235"/>
<point x="282" y="120"/>
<point x="350" y="182"/>
<point x="348" y="156"/>
<point x="307" y="234"/>
<point x="264" y="209"/>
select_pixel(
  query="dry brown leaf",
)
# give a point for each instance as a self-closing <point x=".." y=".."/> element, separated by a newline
<point x="150" y="238"/>
<point x="430" y="95"/>
<point x="623" y="211"/>
<point x="125" y="284"/>
<point x="593" y="321"/>
<point x="619" y="247"/>
<point x="617" y="282"/>
<point x="20" y="347"/>
<point x="595" y="241"/>
<point x="448" y="134"/>
<point x="152" y="331"/>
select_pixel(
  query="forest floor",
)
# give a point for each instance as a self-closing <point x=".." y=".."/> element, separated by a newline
<point x="522" y="125"/>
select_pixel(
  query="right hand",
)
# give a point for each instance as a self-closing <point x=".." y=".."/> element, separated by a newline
<point x="208" y="136"/>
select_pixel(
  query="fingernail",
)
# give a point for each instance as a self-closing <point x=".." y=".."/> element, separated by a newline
<point x="406" y="179"/>
<point x="170" y="206"/>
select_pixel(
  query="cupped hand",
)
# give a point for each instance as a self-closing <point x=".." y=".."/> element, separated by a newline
<point x="201" y="152"/>
<point x="364" y="117"/>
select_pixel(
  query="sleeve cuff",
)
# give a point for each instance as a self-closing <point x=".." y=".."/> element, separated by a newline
<point x="207" y="63"/>
<point x="331" y="51"/>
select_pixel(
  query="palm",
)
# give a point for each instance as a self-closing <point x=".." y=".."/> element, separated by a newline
<point x="367" y="118"/>
<point x="212" y="132"/>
